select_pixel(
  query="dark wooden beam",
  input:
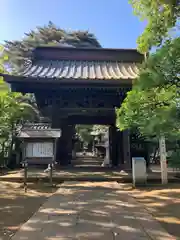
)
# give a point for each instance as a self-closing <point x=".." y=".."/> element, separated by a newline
<point x="92" y="120"/>
<point x="32" y="85"/>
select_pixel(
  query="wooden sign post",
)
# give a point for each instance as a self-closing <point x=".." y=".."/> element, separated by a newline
<point x="163" y="160"/>
<point x="25" y="166"/>
<point x="39" y="147"/>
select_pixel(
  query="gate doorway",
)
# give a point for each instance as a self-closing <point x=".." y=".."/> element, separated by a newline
<point x="91" y="146"/>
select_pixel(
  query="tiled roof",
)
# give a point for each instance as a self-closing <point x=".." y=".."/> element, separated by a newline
<point x="39" y="131"/>
<point x="36" y="126"/>
<point x="75" y="69"/>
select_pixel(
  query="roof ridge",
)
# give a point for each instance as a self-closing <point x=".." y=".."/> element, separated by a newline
<point x="99" y="54"/>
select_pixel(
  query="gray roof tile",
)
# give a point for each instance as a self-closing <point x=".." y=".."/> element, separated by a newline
<point x="73" y="69"/>
<point x="39" y="130"/>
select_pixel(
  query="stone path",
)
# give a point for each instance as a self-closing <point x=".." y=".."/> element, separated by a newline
<point x="91" y="211"/>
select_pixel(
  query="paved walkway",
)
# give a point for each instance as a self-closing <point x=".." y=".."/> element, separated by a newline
<point x="91" y="211"/>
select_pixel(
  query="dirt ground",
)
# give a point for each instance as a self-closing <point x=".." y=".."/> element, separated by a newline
<point x="164" y="204"/>
<point x="16" y="206"/>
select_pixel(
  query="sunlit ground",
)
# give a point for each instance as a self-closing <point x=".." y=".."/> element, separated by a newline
<point x="92" y="210"/>
<point x="163" y="203"/>
<point x="16" y="206"/>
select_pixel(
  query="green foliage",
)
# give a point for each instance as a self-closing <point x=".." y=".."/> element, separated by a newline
<point x="19" y="51"/>
<point x="99" y="130"/>
<point x="153" y="104"/>
<point x="84" y="133"/>
<point x="14" y="110"/>
<point x="3" y="57"/>
<point x="161" y="16"/>
<point x="152" y="111"/>
<point x="174" y="159"/>
<point x="162" y="67"/>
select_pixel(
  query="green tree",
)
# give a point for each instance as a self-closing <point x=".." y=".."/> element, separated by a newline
<point x="3" y="57"/>
<point x="161" y="17"/>
<point x="153" y="104"/>
<point x="14" y="110"/>
<point x="99" y="129"/>
<point x="19" y="51"/>
<point x="153" y="112"/>
<point x="84" y="133"/>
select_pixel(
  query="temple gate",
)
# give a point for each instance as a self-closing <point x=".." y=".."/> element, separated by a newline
<point x="80" y="86"/>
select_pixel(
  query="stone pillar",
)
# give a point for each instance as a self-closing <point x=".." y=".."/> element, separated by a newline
<point x="107" y="161"/>
<point x="126" y="150"/>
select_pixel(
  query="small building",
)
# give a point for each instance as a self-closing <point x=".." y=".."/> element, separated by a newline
<point x="39" y="143"/>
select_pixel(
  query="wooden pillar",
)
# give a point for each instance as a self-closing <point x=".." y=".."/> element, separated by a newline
<point x="126" y="150"/>
<point x="56" y="124"/>
<point x="73" y="142"/>
<point x="64" y="143"/>
<point x="69" y="140"/>
<point x="120" y="150"/>
<point x="113" y="145"/>
<point x="110" y="145"/>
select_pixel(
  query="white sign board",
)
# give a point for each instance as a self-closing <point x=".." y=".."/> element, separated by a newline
<point x="41" y="149"/>
<point x="139" y="170"/>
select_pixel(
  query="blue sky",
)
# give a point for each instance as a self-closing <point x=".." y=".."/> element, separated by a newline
<point x="112" y="21"/>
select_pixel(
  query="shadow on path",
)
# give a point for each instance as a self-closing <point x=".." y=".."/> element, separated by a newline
<point x="164" y="204"/>
<point x="92" y="211"/>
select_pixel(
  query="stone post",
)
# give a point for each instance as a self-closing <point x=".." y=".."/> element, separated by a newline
<point x="107" y="156"/>
<point x="163" y="160"/>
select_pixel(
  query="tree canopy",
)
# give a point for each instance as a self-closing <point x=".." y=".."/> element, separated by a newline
<point x="161" y="16"/>
<point x="14" y="109"/>
<point x="152" y="105"/>
<point x="3" y="57"/>
<point x="19" y="50"/>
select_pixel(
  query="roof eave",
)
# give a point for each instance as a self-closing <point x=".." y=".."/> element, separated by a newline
<point x="11" y="79"/>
